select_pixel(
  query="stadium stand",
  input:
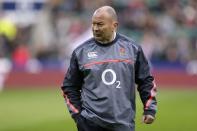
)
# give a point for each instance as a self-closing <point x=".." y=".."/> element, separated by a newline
<point x="48" y="30"/>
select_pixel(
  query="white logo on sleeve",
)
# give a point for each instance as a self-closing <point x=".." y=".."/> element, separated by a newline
<point x="92" y="55"/>
<point x="114" y="78"/>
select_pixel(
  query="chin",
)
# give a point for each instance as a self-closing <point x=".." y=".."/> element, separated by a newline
<point x="98" y="38"/>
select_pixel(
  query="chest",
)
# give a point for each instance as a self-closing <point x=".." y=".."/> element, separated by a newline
<point x="99" y="55"/>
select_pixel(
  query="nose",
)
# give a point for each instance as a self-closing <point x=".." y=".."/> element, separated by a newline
<point x="95" y="28"/>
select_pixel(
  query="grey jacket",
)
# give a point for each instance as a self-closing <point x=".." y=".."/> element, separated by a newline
<point x="100" y="83"/>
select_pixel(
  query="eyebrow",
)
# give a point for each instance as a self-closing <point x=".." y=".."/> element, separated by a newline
<point x="100" y="22"/>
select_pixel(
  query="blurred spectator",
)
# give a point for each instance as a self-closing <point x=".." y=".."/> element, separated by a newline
<point x="5" y="68"/>
<point x="192" y="67"/>
<point x="8" y="32"/>
<point x="20" y="57"/>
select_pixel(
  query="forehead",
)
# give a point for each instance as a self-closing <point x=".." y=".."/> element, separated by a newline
<point x="101" y="17"/>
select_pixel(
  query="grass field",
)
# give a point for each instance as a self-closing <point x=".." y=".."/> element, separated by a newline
<point x="45" y="110"/>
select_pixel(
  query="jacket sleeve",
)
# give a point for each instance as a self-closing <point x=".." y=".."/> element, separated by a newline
<point x="72" y="86"/>
<point x="146" y="84"/>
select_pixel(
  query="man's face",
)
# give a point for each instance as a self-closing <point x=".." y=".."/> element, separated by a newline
<point x="103" y="27"/>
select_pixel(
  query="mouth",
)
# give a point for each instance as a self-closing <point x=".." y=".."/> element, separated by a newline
<point x="97" y="34"/>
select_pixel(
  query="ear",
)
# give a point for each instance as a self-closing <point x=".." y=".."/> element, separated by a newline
<point x="115" y="25"/>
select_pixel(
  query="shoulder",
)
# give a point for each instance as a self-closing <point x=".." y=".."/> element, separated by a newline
<point x="129" y="41"/>
<point x="84" y="45"/>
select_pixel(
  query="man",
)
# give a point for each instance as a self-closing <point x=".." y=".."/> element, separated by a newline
<point x="99" y="87"/>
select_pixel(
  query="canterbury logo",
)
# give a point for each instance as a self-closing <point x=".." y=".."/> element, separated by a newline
<point x="92" y="55"/>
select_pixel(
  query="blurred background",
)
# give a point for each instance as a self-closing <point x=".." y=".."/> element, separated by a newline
<point x="37" y="38"/>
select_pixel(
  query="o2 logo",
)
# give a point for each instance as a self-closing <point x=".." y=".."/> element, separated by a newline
<point x="113" y="73"/>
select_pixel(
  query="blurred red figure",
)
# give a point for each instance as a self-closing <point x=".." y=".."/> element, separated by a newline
<point x="20" y="57"/>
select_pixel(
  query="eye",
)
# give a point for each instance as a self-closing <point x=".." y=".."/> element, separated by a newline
<point x="100" y="24"/>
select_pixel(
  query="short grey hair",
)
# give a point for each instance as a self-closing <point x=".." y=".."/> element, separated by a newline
<point x="110" y="10"/>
